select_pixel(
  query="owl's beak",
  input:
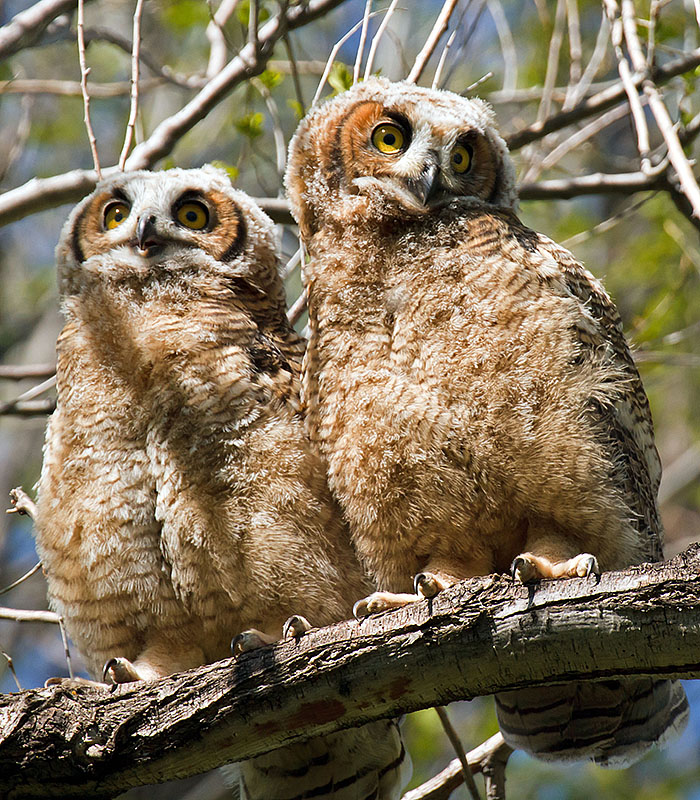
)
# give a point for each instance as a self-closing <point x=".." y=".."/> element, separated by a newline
<point x="146" y="235"/>
<point x="424" y="186"/>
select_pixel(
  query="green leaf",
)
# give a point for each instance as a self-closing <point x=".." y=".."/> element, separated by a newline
<point x="232" y="171"/>
<point x="297" y="108"/>
<point x="182" y="15"/>
<point x="251" y="124"/>
<point x="271" y="78"/>
<point x="340" y="77"/>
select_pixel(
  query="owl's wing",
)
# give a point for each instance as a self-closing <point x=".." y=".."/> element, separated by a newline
<point x="622" y="415"/>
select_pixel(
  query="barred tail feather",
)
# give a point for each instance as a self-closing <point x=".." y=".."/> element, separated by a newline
<point x="613" y="723"/>
<point x="367" y="763"/>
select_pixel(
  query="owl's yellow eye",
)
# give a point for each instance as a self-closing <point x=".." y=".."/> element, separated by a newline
<point x="388" y="139"/>
<point x="115" y="214"/>
<point x="461" y="158"/>
<point x="192" y="215"/>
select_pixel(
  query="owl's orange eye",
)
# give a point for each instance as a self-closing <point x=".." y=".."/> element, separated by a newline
<point x="192" y="215"/>
<point x="115" y="214"/>
<point x="461" y="158"/>
<point x="388" y="139"/>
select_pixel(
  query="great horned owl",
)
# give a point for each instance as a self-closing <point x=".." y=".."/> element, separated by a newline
<point x="470" y="387"/>
<point x="180" y="501"/>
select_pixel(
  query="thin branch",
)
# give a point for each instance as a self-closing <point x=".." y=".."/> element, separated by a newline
<point x="73" y="88"/>
<point x="294" y="69"/>
<point x="505" y="39"/>
<point x="24" y="577"/>
<point x="84" y="72"/>
<point x="297" y="309"/>
<point x="134" y="108"/>
<point x="599" y="102"/>
<point x="481" y="759"/>
<point x="253" y="18"/>
<point x="27" y="27"/>
<point x="277" y="131"/>
<point x="439" y="28"/>
<point x="11" y="667"/>
<point x="443" y="57"/>
<point x="29" y="408"/>
<point x="66" y="648"/>
<point x="596" y="183"/>
<point x="378" y="37"/>
<point x="640" y="123"/>
<point x="576" y="93"/>
<point x="218" y="46"/>
<point x="30" y="394"/>
<point x="22" y="503"/>
<point x="550" y="77"/>
<point x="456" y="743"/>
<point x="677" y="157"/>
<point x="21" y="615"/>
<point x="361" y="45"/>
<point x="332" y="55"/>
<point x="575" y="48"/>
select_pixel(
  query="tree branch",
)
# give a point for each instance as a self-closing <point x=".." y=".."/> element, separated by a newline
<point x="481" y="636"/>
<point x="27" y="27"/>
<point x="40" y="194"/>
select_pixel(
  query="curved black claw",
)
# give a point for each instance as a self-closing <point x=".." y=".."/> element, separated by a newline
<point x="295" y="627"/>
<point x="425" y="584"/>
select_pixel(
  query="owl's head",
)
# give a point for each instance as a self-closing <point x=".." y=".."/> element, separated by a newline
<point x="180" y="224"/>
<point x="395" y="149"/>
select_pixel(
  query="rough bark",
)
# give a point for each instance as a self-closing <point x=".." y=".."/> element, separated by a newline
<point x="481" y="636"/>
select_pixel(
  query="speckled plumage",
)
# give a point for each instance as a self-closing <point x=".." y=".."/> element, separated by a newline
<point x="467" y="380"/>
<point x="180" y="500"/>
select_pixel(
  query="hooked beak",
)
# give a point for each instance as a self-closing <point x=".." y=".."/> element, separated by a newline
<point x="424" y="186"/>
<point x="146" y="236"/>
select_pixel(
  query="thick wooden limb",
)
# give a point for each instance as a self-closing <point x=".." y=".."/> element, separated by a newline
<point x="481" y="636"/>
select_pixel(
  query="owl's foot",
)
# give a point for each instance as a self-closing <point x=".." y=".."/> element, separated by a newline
<point x="428" y="584"/>
<point x="528" y="567"/>
<point x="295" y="627"/>
<point x="249" y="640"/>
<point x="382" y="601"/>
<point x="120" y="670"/>
<point x="73" y="683"/>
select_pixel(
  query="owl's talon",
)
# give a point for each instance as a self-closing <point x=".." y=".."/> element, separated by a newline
<point x="382" y="601"/>
<point x="119" y="670"/>
<point x="587" y="564"/>
<point x="427" y="585"/>
<point x="250" y="640"/>
<point x="523" y="570"/>
<point x="295" y="627"/>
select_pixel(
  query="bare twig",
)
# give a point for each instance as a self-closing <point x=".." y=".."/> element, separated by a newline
<point x="297" y="309"/>
<point x="277" y="131"/>
<point x="575" y="48"/>
<point x="22" y="615"/>
<point x="84" y="72"/>
<point x="596" y="183"/>
<point x="599" y="102"/>
<point x="378" y="37"/>
<point x="440" y="26"/>
<point x="294" y="69"/>
<point x="505" y="39"/>
<point x="550" y="77"/>
<point x="253" y="17"/>
<point x="11" y="667"/>
<point x="481" y="759"/>
<point x="30" y="394"/>
<point x="29" y="408"/>
<point x="640" y="123"/>
<point x="66" y="648"/>
<point x="134" y="108"/>
<point x="677" y="157"/>
<point x="73" y="88"/>
<point x="218" y="46"/>
<point x="575" y="93"/>
<point x="28" y="26"/>
<point x="22" y="503"/>
<point x="331" y="58"/>
<point x="459" y="749"/>
<point x="24" y="577"/>
<point x="443" y="58"/>
<point x="493" y="768"/>
<point x="361" y="45"/>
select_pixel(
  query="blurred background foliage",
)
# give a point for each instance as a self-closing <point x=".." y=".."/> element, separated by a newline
<point x="645" y="250"/>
